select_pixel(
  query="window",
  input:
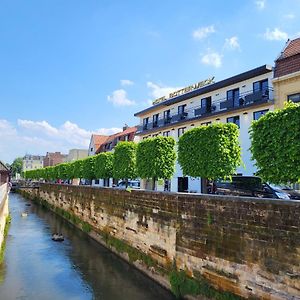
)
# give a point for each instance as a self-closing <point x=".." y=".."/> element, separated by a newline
<point x="206" y="123"/>
<point x="258" y="114"/>
<point x="92" y="149"/>
<point x="96" y="181"/>
<point x="261" y="85"/>
<point x="155" y="120"/>
<point x="181" y="109"/>
<point x="235" y="120"/>
<point x="294" y="97"/>
<point x="234" y="97"/>
<point x="166" y="133"/>
<point x="145" y="123"/>
<point x="181" y="131"/>
<point x="167" y="116"/>
<point x="206" y="103"/>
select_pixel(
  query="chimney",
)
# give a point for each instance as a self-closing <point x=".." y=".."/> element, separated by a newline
<point x="125" y="127"/>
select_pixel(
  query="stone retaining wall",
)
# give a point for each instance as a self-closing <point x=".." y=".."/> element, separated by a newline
<point x="247" y="246"/>
<point x="3" y="210"/>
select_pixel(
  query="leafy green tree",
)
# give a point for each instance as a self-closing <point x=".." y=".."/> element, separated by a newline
<point x="88" y="168"/>
<point x="16" y="166"/>
<point x="156" y="158"/>
<point x="124" y="162"/>
<point x="104" y="165"/>
<point x="77" y="169"/>
<point x="210" y="151"/>
<point x="275" y="144"/>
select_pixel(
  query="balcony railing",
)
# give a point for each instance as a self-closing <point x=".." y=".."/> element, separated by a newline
<point x="220" y="105"/>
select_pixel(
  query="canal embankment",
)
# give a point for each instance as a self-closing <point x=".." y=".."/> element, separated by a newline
<point x="35" y="267"/>
<point x="193" y="244"/>
<point x="4" y="217"/>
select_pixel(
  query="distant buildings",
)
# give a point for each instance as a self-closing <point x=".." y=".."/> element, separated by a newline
<point x="4" y="173"/>
<point x="75" y="154"/>
<point x="54" y="158"/>
<point x="31" y="162"/>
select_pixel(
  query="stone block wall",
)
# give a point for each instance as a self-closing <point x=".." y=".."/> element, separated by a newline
<point x="247" y="246"/>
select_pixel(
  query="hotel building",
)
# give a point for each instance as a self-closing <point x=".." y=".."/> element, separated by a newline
<point x="239" y="99"/>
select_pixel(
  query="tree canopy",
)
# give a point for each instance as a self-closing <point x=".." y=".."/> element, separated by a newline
<point x="104" y="165"/>
<point x="16" y="166"/>
<point x="275" y="144"/>
<point x="124" y="162"/>
<point x="156" y="158"/>
<point x="210" y="151"/>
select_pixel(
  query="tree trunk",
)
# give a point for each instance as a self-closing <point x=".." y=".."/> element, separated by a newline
<point x="153" y="184"/>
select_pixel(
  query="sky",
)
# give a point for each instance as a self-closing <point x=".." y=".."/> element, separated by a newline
<point x="70" y="68"/>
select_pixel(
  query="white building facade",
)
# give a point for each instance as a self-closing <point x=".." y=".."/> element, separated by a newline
<point x="239" y="99"/>
<point x="32" y="162"/>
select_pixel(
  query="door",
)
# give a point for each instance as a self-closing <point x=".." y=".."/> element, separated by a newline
<point x="183" y="184"/>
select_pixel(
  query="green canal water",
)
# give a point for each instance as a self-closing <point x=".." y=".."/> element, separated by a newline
<point x="35" y="267"/>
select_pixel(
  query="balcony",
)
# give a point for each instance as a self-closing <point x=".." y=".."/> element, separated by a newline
<point x="218" y="106"/>
<point x="245" y="99"/>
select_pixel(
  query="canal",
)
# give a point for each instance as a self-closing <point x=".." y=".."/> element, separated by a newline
<point x="35" y="267"/>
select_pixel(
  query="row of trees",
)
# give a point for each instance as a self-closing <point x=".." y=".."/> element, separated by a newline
<point x="207" y="151"/>
<point x="152" y="158"/>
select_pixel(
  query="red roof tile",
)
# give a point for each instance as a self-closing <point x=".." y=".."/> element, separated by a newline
<point x="292" y="48"/>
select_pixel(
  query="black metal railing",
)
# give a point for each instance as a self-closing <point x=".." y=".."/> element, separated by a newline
<point x="218" y="105"/>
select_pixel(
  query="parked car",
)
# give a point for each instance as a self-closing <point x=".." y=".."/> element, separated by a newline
<point x="134" y="184"/>
<point x="292" y="194"/>
<point x="249" y="186"/>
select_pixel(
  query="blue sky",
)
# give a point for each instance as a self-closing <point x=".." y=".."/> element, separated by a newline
<point x="69" y="68"/>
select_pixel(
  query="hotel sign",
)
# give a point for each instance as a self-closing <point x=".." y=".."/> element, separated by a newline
<point x="185" y="90"/>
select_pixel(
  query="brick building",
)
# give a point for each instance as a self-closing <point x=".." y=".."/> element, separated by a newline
<point x="54" y="158"/>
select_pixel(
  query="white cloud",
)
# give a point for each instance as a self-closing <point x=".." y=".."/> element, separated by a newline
<point x="275" y="35"/>
<point x="212" y="58"/>
<point x="232" y="43"/>
<point x="126" y="82"/>
<point x="260" y="4"/>
<point x="289" y="16"/>
<point x="158" y="91"/>
<point x="203" y="32"/>
<point x="38" y="137"/>
<point x="119" y="98"/>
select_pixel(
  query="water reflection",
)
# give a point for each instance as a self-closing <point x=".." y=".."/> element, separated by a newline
<point x="78" y="268"/>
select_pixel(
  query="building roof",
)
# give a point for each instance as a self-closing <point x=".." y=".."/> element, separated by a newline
<point x="111" y="138"/>
<point x="211" y="87"/>
<point x="99" y="139"/>
<point x="3" y="167"/>
<point x="291" y="48"/>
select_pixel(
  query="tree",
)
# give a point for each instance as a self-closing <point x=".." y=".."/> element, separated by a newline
<point x="275" y="144"/>
<point x="16" y="166"/>
<point x="104" y="165"/>
<point x="210" y="151"/>
<point x="88" y="168"/>
<point x="77" y="171"/>
<point x="124" y="162"/>
<point x="156" y="158"/>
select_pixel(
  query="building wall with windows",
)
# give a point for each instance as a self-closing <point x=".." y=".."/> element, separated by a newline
<point x="32" y="162"/>
<point x="239" y="99"/>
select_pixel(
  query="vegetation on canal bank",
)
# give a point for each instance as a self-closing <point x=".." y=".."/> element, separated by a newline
<point x="6" y="228"/>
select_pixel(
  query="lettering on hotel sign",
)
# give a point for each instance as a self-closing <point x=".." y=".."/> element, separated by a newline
<point x="185" y="90"/>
